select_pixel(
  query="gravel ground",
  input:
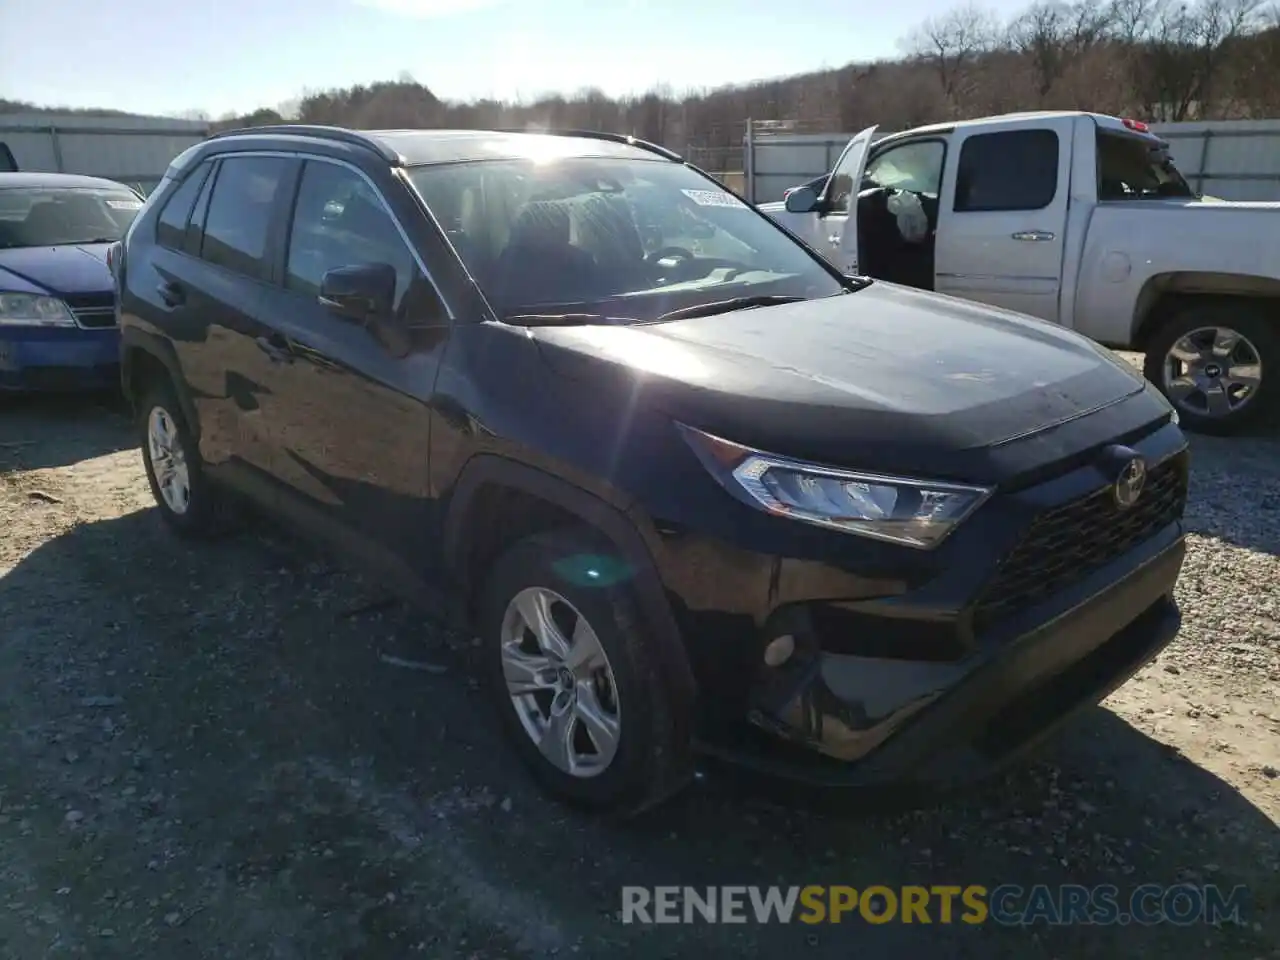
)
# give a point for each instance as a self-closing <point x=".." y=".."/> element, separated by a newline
<point x="218" y="753"/>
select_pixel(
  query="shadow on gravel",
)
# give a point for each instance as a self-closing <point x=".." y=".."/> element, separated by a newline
<point x="211" y="755"/>
<point x="42" y="431"/>
<point x="1235" y="477"/>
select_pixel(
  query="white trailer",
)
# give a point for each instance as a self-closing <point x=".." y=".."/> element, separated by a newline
<point x="132" y="150"/>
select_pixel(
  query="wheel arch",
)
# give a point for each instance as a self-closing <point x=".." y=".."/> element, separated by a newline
<point x="492" y="491"/>
<point x="1164" y="293"/>
<point x="144" y="358"/>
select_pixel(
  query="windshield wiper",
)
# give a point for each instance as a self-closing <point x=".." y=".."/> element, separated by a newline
<point x="727" y="306"/>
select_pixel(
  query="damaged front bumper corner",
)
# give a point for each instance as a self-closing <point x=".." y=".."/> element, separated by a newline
<point x="875" y="719"/>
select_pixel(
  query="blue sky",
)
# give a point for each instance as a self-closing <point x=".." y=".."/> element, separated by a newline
<point x="167" y="56"/>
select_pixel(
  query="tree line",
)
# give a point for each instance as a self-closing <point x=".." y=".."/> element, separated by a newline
<point x="1160" y="60"/>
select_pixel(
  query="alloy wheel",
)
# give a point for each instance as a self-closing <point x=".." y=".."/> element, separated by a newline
<point x="1212" y="372"/>
<point x="168" y="460"/>
<point x="560" y="682"/>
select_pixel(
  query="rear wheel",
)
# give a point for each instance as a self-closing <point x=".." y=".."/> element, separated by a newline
<point x="574" y="680"/>
<point x="1215" y="362"/>
<point x="186" y="499"/>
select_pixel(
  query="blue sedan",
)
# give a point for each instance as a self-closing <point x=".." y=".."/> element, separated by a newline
<point x="57" y="296"/>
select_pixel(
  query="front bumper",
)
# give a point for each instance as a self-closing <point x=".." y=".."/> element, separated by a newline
<point x="907" y="722"/>
<point x="927" y="666"/>
<point x="62" y="359"/>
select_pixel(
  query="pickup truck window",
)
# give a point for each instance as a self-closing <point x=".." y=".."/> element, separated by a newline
<point x="841" y="188"/>
<point x="1013" y="170"/>
<point x="913" y="166"/>
<point x="1137" y="168"/>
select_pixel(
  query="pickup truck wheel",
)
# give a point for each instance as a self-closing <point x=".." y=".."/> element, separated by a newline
<point x="1216" y="364"/>
<point x="573" y="679"/>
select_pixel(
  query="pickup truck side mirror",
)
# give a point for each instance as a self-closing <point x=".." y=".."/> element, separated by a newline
<point x="802" y="200"/>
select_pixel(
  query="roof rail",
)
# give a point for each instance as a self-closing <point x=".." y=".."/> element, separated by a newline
<point x="340" y="134"/>
<point x="602" y="135"/>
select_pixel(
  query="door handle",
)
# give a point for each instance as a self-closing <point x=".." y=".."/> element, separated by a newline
<point x="275" y="347"/>
<point x="834" y="239"/>
<point x="172" y="293"/>
<point x="1033" y="235"/>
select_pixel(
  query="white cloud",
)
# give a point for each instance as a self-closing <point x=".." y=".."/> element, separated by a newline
<point x="426" y="9"/>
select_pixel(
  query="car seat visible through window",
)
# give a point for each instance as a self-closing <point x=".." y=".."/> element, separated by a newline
<point x="539" y="264"/>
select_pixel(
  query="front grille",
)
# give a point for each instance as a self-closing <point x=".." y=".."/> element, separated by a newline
<point x="89" y="301"/>
<point x="92" y="310"/>
<point x="1068" y="543"/>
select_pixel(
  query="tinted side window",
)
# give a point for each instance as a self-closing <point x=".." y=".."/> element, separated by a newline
<point x="195" y="226"/>
<point x="1016" y="170"/>
<point x="340" y="221"/>
<point x="239" y="216"/>
<point x="172" y="225"/>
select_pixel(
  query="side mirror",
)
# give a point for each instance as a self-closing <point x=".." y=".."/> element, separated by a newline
<point x="364" y="292"/>
<point x="802" y="200"/>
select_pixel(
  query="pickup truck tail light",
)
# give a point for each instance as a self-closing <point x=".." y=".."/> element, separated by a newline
<point x="1137" y="125"/>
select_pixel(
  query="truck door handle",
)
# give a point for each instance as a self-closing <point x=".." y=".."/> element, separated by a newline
<point x="834" y="239"/>
<point x="1033" y="235"/>
<point x="275" y="347"/>
<point x="172" y="293"/>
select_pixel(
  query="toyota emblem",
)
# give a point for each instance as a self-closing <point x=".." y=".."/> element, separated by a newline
<point x="1128" y="486"/>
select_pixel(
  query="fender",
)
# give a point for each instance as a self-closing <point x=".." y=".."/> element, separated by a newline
<point x="594" y="512"/>
<point x="134" y="341"/>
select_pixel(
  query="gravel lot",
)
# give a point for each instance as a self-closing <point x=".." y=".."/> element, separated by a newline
<point x="207" y="754"/>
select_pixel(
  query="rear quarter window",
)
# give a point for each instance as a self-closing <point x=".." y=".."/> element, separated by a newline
<point x="171" y="227"/>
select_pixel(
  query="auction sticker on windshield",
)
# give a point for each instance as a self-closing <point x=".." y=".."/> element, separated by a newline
<point x="125" y="204"/>
<point x="713" y="198"/>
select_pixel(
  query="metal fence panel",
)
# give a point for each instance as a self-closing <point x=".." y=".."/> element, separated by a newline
<point x="129" y="149"/>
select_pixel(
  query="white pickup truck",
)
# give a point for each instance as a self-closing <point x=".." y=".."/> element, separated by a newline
<point x="1076" y="218"/>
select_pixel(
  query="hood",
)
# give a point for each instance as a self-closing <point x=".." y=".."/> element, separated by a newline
<point x="886" y="378"/>
<point x="58" y="270"/>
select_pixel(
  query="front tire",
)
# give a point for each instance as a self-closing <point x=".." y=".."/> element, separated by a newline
<point x="189" y="504"/>
<point x="1216" y="361"/>
<point x="574" y="679"/>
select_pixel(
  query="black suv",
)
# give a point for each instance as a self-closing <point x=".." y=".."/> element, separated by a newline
<point x="695" y="491"/>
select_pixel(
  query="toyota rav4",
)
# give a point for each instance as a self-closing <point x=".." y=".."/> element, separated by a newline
<point x="696" y="491"/>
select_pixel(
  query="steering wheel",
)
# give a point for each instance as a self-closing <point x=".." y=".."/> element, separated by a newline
<point x="670" y="253"/>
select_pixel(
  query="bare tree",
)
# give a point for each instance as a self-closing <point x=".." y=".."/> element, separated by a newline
<point x="1051" y="34"/>
<point x="1177" y="57"/>
<point x="953" y="45"/>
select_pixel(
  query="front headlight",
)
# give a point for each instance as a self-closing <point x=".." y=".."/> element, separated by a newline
<point x="30" y="310"/>
<point x="907" y="511"/>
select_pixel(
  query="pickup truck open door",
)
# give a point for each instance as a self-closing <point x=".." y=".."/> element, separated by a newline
<point x="1003" y="214"/>
<point x="836" y="230"/>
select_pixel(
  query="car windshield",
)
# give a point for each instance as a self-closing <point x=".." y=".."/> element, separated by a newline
<point x="1137" y="168"/>
<point x="616" y="238"/>
<point x="51" y="216"/>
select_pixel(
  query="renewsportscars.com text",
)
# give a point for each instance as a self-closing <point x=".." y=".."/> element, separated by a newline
<point x="1007" y="905"/>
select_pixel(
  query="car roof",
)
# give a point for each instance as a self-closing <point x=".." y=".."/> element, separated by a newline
<point x="417" y="147"/>
<point x="32" y="179"/>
